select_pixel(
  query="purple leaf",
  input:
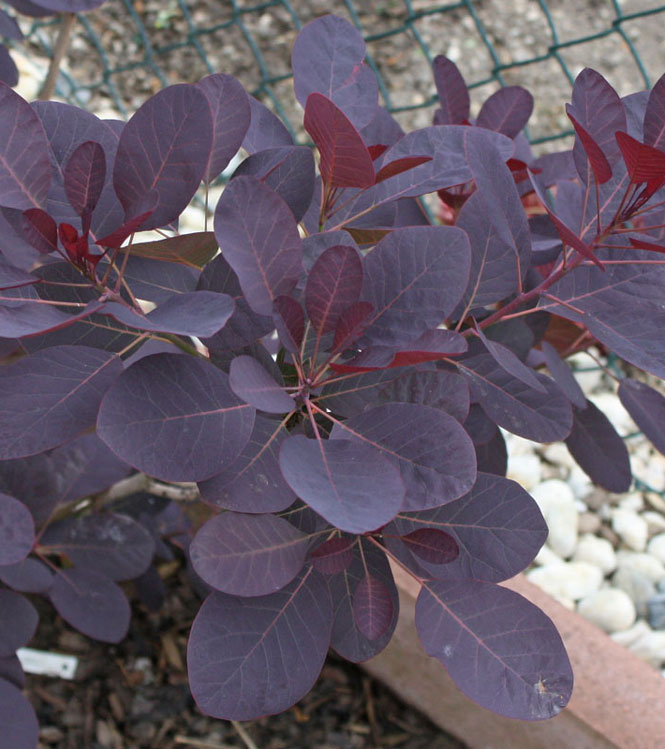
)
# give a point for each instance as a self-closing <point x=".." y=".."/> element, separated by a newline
<point x="497" y="526"/>
<point x="415" y="278"/>
<point x="446" y="391"/>
<point x="453" y="93"/>
<point x="111" y="544"/>
<point x="598" y="109"/>
<point x="253" y="384"/>
<point x="9" y="29"/>
<point x="542" y="417"/>
<point x="234" y="639"/>
<point x="333" y="556"/>
<point x="195" y="313"/>
<point x="28" y="576"/>
<point x="40" y="230"/>
<point x="18" y="723"/>
<point x="333" y="284"/>
<point x="12" y="278"/>
<point x="51" y="396"/>
<point x="434" y="454"/>
<point x="289" y="170"/>
<point x="448" y="167"/>
<point x="17" y="530"/>
<point x="373" y="608"/>
<point x="348" y="483"/>
<point x="499" y="198"/>
<point x="289" y="319"/>
<point x="91" y="603"/>
<point x="599" y="450"/>
<point x="647" y="409"/>
<point x="11" y="671"/>
<point x="253" y="482"/>
<point x="194" y="250"/>
<point x="432" y="545"/>
<point x="231" y="115"/>
<point x="339" y="72"/>
<point x="158" y="400"/>
<point x="259" y="238"/>
<point x="248" y="555"/>
<point x="510" y="363"/>
<point x="85" y="175"/>
<point x="487" y="635"/>
<point x="506" y="111"/>
<point x="347" y="639"/>
<point x="18" y="622"/>
<point x="8" y="69"/>
<point x="164" y="148"/>
<point x="265" y="129"/>
<point x="563" y="375"/>
<point x="158" y="281"/>
<point x="69" y="6"/>
<point x="345" y="160"/>
<point x="654" y="116"/>
<point x="37" y="480"/>
<point x="25" y="169"/>
<point x="351" y="324"/>
<point x="28" y="8"/>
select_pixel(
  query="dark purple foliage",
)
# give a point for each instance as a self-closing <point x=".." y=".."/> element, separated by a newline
<point x="334" y="378"/>
<point x="18" y="722"/>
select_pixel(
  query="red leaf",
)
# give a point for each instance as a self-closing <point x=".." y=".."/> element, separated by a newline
<point x="333" y="556"/>
<point x="599" y="164"/>
<point x="641" y="245"/>
<point x="377" y="150"/>
<point x="350" y="324"/>
<point x="117" y="237"/>
<point x="400" y="165"/>
<point x="345" y="159"/>
<point x="644" y="163"/>
<point x="40" y="230"/>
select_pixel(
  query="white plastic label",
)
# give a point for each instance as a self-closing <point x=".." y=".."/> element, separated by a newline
<point x="47" y="664"/>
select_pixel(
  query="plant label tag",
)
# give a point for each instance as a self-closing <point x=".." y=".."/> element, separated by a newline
<point x="47" y="664"/>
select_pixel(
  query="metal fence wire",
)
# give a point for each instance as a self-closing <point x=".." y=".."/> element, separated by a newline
<point x="128" y="49"/>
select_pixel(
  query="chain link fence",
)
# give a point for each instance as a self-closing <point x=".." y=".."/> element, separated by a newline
<point x="128" y="49"/>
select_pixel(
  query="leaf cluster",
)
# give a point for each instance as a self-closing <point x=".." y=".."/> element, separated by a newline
<point x="331" y="368"/>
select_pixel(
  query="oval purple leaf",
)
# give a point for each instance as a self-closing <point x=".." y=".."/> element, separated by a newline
<point x="52" y="396"/>
<point x="434" y="454"/>
<point x="113" y="545"/>
<point x="506" y="111"/>
<point x="372" y="607"/>
<point x="453" y="92"/>
<point x="446" y="391"/>
<point x="25" y="167"/>
<point x="17" y="530"/>
<point x="28" y="576"/>
<point x="18" y="622"/>
<point x="599" y="450"/>
<point x="289" y="318"/>
<point x="12" y="671"/>
<point x="647" y="409"/>
<point x="333" y="285"/>
<point x="85" y="175"/>
<point x="91" y="603"/>
<point x="265" y="129"/>
<point x="231" y="115"/>
<point x="348" y="483"/>
<point x="187" y="396"/>
<point x="563" y="376"/>
<point x="432" y="545"/>
<point x="245" y="656"/>
<point x="333" y="556"/>
<point x="256" y="386"/>
<point x="259" y="238"/>
<point x="248" y="555"/>
<point x="18" y="723"/>
<point x="340" y="72"/>
<point x="164" y="149"/>
<point x="487" y="635"/>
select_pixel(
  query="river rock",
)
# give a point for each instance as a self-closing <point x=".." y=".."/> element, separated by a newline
<point x="655" y="521"/>
<point x="650" y="647"/>
<point x="647" y="565"/>
<point x="656" y="547"/>
<point x="610" y="609"/>
<point x="638" y="587"/>
<point x="568" y="581"/>
<point x="596" y="551"/>
<point x="656" y="611"/>
<point x="612" y="407"/>
<point x="631" y="528"/>
<point x="557" y="503"/>
<point x="525" y="469"/>
<point x="629" y="636"/>
<point x="588" y="522"/>
<point x="547" y="556"/>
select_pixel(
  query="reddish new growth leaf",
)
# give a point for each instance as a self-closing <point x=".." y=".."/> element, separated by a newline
<point x="644" y="163"/>
<point x="599" y="164"/>
<point x="345" y="160"/>
<point x="333" y="556"/>
<point x="432" y="545"/>
<point x="400" y="165"/>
